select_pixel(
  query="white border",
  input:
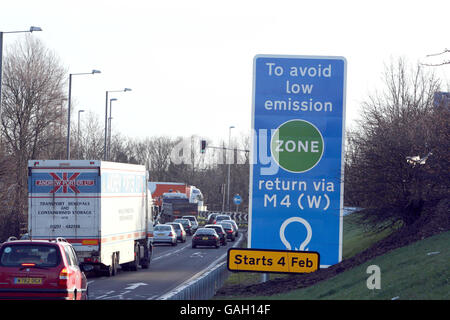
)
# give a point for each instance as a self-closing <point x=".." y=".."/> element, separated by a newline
<point x="341" y="207"/>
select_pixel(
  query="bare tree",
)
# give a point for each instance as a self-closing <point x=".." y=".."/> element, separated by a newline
<point x="91" y="135"/>
<point x="159" y="150"/>
<point x="33" y="83"/>
<point x="440" y="63"/>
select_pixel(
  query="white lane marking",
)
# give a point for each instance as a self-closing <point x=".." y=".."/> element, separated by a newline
<point x="170" y="253"/>
<point x="105" y="295"/>
<point x="135" y="285"/>
<point x="197" y="254"/>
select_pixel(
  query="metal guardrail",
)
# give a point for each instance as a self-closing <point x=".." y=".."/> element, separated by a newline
<point x="203" y="285"/>
<point x="200" y="287"/>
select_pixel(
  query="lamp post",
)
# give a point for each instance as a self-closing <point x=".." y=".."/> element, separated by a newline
<point x="1" y="55"/>
<point x="229" y="165"/>
<point x="105" y="154"/>
<point x="78" y="140"/>
<point x="69" y="105"/>
<point x="110" y="126"/>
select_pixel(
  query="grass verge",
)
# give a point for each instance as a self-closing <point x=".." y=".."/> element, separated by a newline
<point x="356" y="238"/>
<point x="417" y="271"/>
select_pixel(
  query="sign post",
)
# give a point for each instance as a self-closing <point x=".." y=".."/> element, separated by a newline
<point x="296" y="176"/>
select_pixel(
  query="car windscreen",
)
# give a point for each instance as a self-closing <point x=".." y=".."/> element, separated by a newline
<point x="175" y="226"/>
<point x="233" y="223"/>
<point x="218" y="229"/>
<point x="205" y="231"/>
<point x="163" y="228"/>
<point x="40" y="255"/>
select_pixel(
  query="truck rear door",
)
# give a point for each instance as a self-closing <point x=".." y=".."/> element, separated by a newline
<point x="64" y="202"/>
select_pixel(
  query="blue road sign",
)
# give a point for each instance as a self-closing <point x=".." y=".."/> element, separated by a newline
<point x="296" y="177"/>
<point x="237" y="199"/>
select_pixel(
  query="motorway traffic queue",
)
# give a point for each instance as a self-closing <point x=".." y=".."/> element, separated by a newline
<point x="219" y="232"/>
<point x="51" y="269"/>
<point x="91" y="216"/>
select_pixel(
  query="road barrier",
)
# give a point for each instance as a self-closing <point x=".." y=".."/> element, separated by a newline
<point x="202" y="286"/>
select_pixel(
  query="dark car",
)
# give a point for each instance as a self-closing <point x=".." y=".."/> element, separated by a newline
<point x="186" y="225"/>
<point x="205" y="237"/>
<point x="41" y="269"/>
<point x="194" y="222"/>
<point x="229" y="230"/>
<point x="235" y="226"/>
<point x="212" y="218"/>
<point x="220" y="231"/>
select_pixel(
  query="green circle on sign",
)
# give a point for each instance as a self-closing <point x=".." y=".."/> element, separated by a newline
<point x="297" y="146"/>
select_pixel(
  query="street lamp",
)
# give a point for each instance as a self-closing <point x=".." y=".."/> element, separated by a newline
<point x="109" y="124"/>
<point x="229" y="165"/>
<point x="105" y="154"/>
<point x="69" y="104"/>
<point x="78" y="140"/>
<point x="1" y="54"/>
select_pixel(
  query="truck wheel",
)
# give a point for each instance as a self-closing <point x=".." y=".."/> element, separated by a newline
<point x="111" y="270"/>
<point x="135" y="264"/>
<point x="108" y="271"/>
<point x="145" y="263"/>
<point x="115" y="262"/>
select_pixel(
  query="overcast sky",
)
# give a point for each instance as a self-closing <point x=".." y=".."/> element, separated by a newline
<point x="189" y="62"/>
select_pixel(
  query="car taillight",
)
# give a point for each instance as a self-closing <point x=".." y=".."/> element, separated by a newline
<point x="170" y="234"/>
<point x="229" y="231"/>
<point x="28" y="264"/>
<point x="63" y="277"/>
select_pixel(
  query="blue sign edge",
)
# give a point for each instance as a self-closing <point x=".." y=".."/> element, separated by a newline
<point x="251" y="155"/>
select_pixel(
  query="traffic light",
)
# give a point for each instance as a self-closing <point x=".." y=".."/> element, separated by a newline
<point x="202" y="146"/>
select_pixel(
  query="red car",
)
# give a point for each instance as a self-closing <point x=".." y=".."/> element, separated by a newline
<point x="41" y="269"/>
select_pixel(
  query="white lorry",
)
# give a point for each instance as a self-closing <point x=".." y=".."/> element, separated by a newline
<point x="102" y="208"/>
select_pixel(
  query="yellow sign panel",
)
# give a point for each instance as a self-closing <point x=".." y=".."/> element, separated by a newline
<point x="280" y="261"/>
